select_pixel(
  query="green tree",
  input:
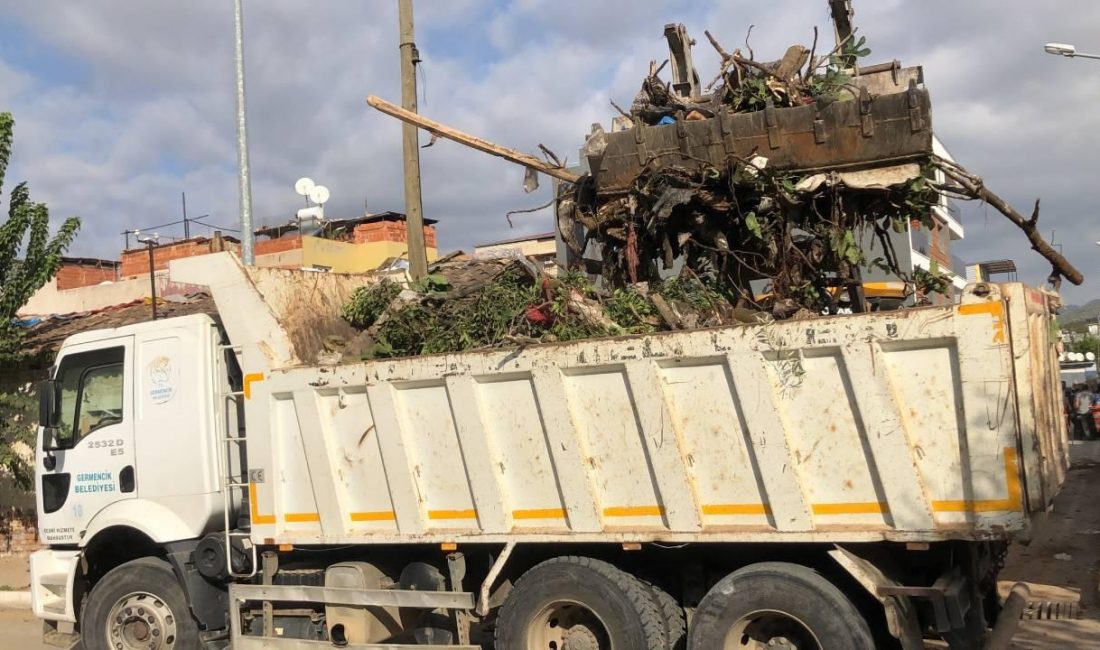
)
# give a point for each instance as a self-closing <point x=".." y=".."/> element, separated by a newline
<point x="26" y="231"/>
<point x="1086" y="343"/>
<point x="29" y="257"/>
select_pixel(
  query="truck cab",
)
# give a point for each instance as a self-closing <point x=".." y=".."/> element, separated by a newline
<point x="127" y="452"/>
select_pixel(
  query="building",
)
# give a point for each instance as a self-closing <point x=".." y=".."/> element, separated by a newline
<point x="541" y="248"/>
<point x="984" y="271"/>
<point x="134" y="262"/>
<point x="357" y="245"/>
<point x="919" y="247"/>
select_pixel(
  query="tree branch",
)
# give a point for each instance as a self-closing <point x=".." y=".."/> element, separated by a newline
<point x="976" y="189"/>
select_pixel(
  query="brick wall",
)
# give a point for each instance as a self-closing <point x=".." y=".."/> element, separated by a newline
<point x="280" y="245"/>
<point x="394" y="231"/>
<point x="18" y="531"/>
<point x="135" y="262"/>
<point x="76" y="275"/>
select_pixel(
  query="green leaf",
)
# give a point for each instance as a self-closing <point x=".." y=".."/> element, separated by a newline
<point x="754" y="225"/>
<point x="27" y="229"/>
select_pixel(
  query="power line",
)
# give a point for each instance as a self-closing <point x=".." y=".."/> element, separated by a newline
<point x="203" y="223"/>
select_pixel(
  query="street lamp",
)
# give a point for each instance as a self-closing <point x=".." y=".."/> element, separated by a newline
<point x="1067" y="50"/>
<point x="151" y="241"/>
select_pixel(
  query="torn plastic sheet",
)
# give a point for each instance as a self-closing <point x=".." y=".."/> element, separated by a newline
<point x="865" y="179"/>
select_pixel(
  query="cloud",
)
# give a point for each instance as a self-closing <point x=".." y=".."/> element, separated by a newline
<point x="137" y="104"/>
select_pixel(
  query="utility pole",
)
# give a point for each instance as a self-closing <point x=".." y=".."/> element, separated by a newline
<point x="410" y="145"/>
<point x="186" y="224"/>
<point x="151" y="243"/>
<point x="245" y="180"/>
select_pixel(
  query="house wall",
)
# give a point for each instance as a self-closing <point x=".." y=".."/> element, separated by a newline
<point x="368" y="246"/>
<point x="527" y="247"/>
<point x="282" y="253"/>
<point x="389" y="231"/>
<point x="135" y="262"/>
<point x="347" y="257"/>
<point x="72" y="276"/>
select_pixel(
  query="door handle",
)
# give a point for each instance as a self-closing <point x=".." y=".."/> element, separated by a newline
<point x="49" y="461"/>
<point x="126" y="479"/>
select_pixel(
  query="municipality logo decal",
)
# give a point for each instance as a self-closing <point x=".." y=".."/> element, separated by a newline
<point x="162" y="380"/>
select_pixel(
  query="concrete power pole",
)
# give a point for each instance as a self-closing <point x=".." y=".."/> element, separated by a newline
<point x="414" y="209"/>
<point x="245" y="178"/>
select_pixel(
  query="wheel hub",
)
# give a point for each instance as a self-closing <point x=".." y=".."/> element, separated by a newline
<point x="141" y="621"/>
<point x="580" y="637"/>
<point x="771" y="630"/>
<point x="567" y="625"/>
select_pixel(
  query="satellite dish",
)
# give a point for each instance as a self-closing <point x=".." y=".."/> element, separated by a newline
<point x="318" y="194"/>
<point x="1090" y="356"/>
<point x="304" y="185"/>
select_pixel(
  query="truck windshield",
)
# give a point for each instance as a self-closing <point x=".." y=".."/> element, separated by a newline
<point x="91" y="393"/>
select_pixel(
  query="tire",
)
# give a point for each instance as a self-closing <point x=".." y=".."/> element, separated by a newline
<point x="675" y="621"/>
<point x="146" y="587"/>
<point x="589" y="602"/>
<point x="776" y="600"/>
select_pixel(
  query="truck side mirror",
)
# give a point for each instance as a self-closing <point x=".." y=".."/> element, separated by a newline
<point x="48" y="410"/>
<point x="48" y="415"/>
<point x="50" y="444"/>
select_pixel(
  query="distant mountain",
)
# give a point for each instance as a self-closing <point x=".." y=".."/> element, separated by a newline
<point x="1080" y="315"/>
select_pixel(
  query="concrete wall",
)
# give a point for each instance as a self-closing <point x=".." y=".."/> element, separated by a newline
<point x="307" y="305"/>
<point x="51" y="300"/>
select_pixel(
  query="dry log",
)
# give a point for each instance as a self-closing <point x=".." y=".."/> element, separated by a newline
<point x="443" y="131"/>
<point x="975" y="188"/>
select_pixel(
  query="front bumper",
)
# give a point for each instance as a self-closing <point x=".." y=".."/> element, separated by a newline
<point x="53" y="576"/>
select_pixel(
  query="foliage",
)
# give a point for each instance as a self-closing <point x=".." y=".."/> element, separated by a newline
<point x="931" y="281"/>
<point x="832" y="80"/>
<point x="29" y="257"/>
<point x="515" y="308"/>
<point x="631" y="310"/>
<point x="368" y="303"/>
<point x="1083" y="344"/>
<point x="18" y="412"/>
<point x="750" y="89"/>
<point x="26" y="231"/>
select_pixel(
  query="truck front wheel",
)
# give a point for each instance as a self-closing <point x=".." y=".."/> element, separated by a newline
<point x="777" y="605"/>
<point x="139" y="604"/>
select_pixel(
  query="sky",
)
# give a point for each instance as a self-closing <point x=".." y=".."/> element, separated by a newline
<point x="121" y="105"/>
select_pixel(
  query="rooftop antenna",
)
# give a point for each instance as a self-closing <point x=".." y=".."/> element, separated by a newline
<point x="304" y="186"/>
<point x="312" y="216"/>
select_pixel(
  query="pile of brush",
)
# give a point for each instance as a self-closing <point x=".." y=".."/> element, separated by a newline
<point x="484" y="304"/>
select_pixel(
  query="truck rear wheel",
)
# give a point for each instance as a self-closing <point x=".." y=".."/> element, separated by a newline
<point x="577" y="603"/>
<point x="777" y="605"/>
<point x="138" y="605"/>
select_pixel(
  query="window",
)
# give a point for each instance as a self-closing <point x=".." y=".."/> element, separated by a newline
<point x="91" y="393"/>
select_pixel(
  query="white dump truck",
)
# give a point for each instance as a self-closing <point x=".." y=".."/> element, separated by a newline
<point x="844" y="482"/>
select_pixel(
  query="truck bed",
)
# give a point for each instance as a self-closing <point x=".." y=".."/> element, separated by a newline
<point x="913" y="425"/>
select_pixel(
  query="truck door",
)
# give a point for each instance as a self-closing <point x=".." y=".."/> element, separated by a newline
<point x="90" y="465"/>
